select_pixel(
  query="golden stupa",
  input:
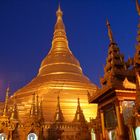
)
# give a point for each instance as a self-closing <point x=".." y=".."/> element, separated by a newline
<point x="60" y="75"/>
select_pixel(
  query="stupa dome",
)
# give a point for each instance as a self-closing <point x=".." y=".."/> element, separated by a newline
<point x="60" y="74"/>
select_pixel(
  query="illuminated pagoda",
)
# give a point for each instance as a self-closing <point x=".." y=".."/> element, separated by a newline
<point x="118" y="98"/>
<point x="47" y="107"/>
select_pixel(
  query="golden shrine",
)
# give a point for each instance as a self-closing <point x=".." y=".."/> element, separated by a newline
<point x="54" y="105"/>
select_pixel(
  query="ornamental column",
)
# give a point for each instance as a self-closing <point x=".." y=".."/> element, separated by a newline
<point x="119" y="120"/>
<point x="102" y="124"/>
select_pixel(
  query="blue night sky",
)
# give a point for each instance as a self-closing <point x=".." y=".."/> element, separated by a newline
<point x="26" y="31"/>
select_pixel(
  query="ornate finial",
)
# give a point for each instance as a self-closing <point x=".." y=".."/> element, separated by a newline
<point x="59" y="12"/>
<point x="59" y="24"/>
<point x="138" y="7"/>
<point x="109" y="32"/>
<point x="59" y="42"/>
<point x="78" y="105"/>
<point x="58" y="103"/>
<point x="6" y="101"/>
<point x="78" y="101"/>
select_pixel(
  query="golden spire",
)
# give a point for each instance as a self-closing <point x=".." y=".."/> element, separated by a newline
<point x="59" y="12"/>
<point x="59" y="24"/>
<point x="6" y="101"/>
<point x="138" y="7"/>
<point x="58" y="115"/>
<point x="60" y="42"/>
<point x="109" y="32"/>
<point x="79" y="116"/>
<point x="60" y="64"/>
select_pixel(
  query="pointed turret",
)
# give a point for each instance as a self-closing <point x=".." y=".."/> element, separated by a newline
<point x="79" y="116"/>
<point x="14" y="114"/>
<point x="115" y="65"/>
<point x="33" y="107"/>
<point x="58" y="114"/>
<point x="6" y="101"/>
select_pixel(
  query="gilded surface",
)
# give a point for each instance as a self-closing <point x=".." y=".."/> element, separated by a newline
<point x="59" y="74"/>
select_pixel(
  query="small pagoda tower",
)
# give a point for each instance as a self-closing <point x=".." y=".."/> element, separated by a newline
<point x="79" y="116"/>
<point x="4" y="119"/>
<point x="80" y="120"/>
<point x="58" y="114"/>
<point x="115" y="66"/>
<point x="8" y="120"/>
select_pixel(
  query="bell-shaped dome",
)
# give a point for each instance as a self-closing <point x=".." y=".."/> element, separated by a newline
<point x="59" y="73"/>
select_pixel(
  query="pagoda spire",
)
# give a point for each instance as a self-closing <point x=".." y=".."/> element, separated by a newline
<point x="110" y="34"/>
<point x="6" y="101"/>
<point x="115" y="65"/>
<point x="58" y="115"/>
<point x="79" y="116"/>
<point x="59" y="42"/>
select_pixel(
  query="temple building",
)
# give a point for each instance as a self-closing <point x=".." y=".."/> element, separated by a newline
<point x="118" y="98"/>
<point x="54" y="105"/>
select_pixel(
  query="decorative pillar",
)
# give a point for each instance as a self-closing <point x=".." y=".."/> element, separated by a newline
<point x="119" y="119"/>
<point x="102" y="124"/>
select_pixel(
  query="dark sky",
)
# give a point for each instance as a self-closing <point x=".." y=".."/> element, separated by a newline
<point x="26" y="30"/>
